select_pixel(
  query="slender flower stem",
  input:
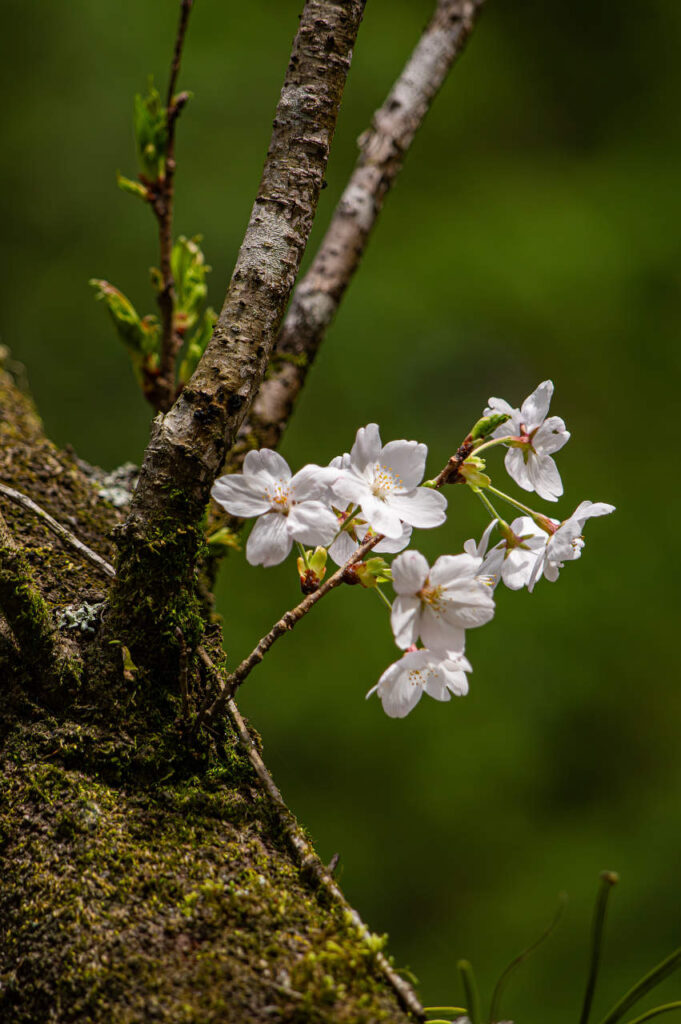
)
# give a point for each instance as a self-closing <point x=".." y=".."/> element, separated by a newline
<point x="489" y="506"/>
<point x="512" y="501"/>
<point x="383" y="598"/>
<point x="495" y="441"/>
<point x="303" y="554"/>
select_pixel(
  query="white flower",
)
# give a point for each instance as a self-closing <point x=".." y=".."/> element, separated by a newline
<point x="347" y="542"/>
<point x="529" y="460"/>
<point x="440" y="675"/>
<point x="288" y="507"/>
<point x="566" y="544"/>
<point x="384" y="479"/>
<point x="438" y="604"/>
<point x="514" y="558"/>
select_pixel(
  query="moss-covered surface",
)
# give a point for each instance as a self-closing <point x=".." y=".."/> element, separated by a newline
<point x="143" y="877"/>
<point x="176" y="902"/>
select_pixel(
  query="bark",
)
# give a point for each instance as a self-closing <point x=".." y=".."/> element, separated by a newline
<point x="145" y="879"/>
<point x="161" y="539"/>
<point x="382" y="151"/>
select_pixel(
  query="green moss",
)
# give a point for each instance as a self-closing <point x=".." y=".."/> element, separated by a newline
<point x="169" y="903"/>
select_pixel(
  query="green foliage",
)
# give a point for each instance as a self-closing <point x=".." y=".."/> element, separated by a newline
<point x="197" y="344"/>
<point x="133" y="188"/>
<point x="189" y="274"/>
<point x="151" y="132"/>
<point x="140" y="335"/>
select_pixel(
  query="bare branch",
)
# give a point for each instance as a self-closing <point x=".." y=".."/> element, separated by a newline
<point x="310" y="863"/>
<point x="27" y="503"/>
<point x="286" y="624"/>
<point x="382" y="151"/>
<point x="188" y="446"/>
<point x="162" y="394"/>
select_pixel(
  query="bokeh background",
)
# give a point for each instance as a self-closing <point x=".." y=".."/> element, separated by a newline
<point x="534" y="232"/>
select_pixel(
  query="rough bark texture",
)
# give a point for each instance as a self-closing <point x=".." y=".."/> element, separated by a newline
<point x="161" y="540"/>
<point x="382" y="151"/>
<point x="143" y="880"/>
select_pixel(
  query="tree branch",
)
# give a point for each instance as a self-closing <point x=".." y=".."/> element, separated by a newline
<point x="382" y="151"/>
<point x="188" y="445"/>
<point x="163" y="392"/>
<point x="310" y="863"/>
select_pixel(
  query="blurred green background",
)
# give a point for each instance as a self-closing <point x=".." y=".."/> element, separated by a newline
<point x="534" y="233"/>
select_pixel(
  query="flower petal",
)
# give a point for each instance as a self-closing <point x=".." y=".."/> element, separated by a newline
<point x="238" y="497"/>
<point x="545" y="477"/>
<point x="422" y="507"/>
<point x="534" y="409"/>
<point x="265" y="466"/>
<point x="440" y="635"/>
<point x="551" y="436"/>
<point x="269" y="542"/>
<point x="455" y="679"/>
<point x="516" y="467"/>
<point x="399" y="688"/>
<point x="410" y="572"/>
<point x="450" y="569"/>
<point x="404" y="619"/>
<point x="312" y="522"/>
<point x="391" y="545"/>
<point x="312" y="482"/>
<point x="367" y="446"/>
<point x="381" y="517"/>
<point x="343" y="548"/>
<point x="406" y="460"/>
<point x="587" y="509"/>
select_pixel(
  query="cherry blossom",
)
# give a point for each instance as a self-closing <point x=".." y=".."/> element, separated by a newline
<point x="418" y="671"/>
<point x="515" y="557"/>
<point x="535" y="438"/>
<point x="566" y="543"/>
<point x="438" y="604"/>
<point x="288" y="507"/>
<point x="384" y="481"/>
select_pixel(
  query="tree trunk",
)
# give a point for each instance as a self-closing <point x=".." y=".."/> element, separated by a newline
<point x="145" y="878"/>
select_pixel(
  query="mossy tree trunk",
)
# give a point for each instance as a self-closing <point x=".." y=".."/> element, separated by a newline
<point x="143" y="877"/>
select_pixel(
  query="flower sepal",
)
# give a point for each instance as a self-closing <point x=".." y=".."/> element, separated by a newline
<point x="370" y="573"/>
<point x="472" y="471"/>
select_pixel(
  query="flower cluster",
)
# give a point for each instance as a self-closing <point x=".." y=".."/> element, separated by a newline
<point x="376" y="492"/>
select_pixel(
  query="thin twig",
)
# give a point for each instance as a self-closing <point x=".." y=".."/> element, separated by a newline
<point x="382" y="151"/>
<point x="163" y="393"/>
<point x="27" y="503"/>
<point x="311" y="865"/>
<point x="188" y="445"/>
<point x="284" y="625"/>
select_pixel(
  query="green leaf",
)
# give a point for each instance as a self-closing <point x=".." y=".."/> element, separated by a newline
<point x="151" y="132"/>
<point x="197" y="345"/>
<point x="134" y="188"/>
<point x="189" y="269"/>
<point x="141" y="336"/>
